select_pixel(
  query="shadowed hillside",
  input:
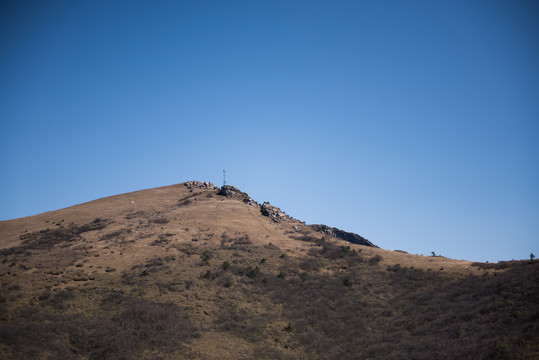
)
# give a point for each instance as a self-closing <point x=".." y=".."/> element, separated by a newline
<point x="192" y="271"/>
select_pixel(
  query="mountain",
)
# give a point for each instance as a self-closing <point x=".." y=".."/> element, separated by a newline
<point x="193" y="271"/>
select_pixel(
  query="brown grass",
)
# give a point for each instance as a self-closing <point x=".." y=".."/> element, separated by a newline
<point x="172" y="273"/>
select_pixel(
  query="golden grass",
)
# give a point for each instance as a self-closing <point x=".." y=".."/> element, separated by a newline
<point x="247" y="286"/>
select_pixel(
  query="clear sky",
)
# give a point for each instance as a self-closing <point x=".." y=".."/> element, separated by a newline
<point x="412" y="123"/>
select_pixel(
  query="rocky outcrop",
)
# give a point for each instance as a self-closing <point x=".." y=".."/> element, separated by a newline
<point x="338" y="233"/>
<point x="231" y="191"/>
<point x="274" y="213"/>
<point x="193" y="185"/>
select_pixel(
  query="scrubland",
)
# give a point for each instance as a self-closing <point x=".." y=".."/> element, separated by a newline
<point x="183" y="273"/>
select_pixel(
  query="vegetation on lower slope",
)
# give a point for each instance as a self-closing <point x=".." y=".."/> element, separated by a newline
<point x="226" y="296"/>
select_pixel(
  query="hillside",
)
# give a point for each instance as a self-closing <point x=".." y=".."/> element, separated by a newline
<point x="192" y="271"/>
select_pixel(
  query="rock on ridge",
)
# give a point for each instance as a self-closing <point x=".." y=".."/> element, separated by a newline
<point x="231" y="191"/>
<point x="274" y="213"/>
<point x="338" y="233"/>
<point x="192" y="185"/>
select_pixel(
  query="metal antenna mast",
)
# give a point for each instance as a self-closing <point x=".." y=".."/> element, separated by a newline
<point x="224" y="177"/>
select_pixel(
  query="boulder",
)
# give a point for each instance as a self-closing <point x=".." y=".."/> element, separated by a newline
<point x="192" y="185"/>
<point x="274" y="213"/>
<point x="231" y="191"/>
<point x="338" y="233"/>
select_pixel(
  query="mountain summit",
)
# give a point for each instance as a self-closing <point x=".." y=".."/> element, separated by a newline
<point x="193" y="204"/>
<point x="193" y="271"/>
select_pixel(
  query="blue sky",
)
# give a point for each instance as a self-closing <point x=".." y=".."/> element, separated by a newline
<point x="412" y="123"/>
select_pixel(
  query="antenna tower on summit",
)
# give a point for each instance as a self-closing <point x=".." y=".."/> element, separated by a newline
<point x="224" y="177"/>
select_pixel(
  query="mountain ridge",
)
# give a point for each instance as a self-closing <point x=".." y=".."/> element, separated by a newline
<point x="181" y="199"/>
<point x="193" y="271"/>
<point x="229" y="191"/>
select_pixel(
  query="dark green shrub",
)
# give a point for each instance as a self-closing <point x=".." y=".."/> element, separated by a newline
<point x="208" y="275"/>
<point x="252" y="272"/>
<point x="206" y="255"/>
<point x="160" y="220"/>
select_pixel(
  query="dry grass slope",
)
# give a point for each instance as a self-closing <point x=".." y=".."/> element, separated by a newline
<point x="181" y="272"/>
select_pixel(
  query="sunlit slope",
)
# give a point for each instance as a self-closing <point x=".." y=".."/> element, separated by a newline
<point x="189" y="210"/>
<point x="192" y="271"/>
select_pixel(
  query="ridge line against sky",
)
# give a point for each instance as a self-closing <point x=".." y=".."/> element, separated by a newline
<point x="414" y="124"/>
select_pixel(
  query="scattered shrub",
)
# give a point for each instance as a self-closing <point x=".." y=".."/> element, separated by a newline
<point x="252" y="272"/>
<point x="206" y="256"/>
<point x="208" y="275"/>
<point x="288" y="328"/>
<point x="160" y="220"/>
